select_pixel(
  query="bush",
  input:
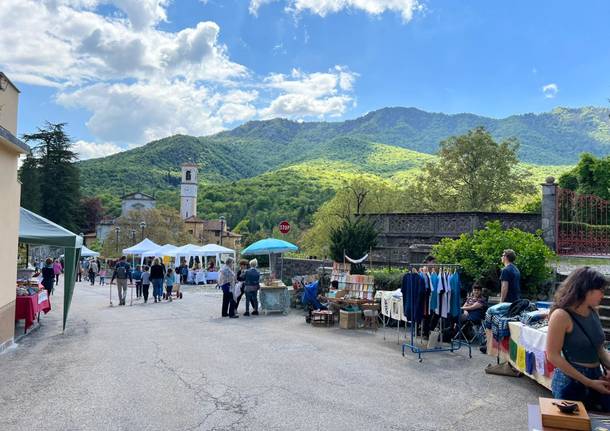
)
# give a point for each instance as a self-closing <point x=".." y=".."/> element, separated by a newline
<point x="387" y="279"/>
<point x="480" y="253"/>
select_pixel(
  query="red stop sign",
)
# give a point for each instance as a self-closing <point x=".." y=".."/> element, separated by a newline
<point x="284" y="227"/>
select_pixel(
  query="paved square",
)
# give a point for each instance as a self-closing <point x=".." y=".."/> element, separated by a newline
<point x="180" y="366"/>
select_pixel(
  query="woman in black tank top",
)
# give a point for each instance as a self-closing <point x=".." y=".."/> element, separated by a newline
<point x="575" y="341"/>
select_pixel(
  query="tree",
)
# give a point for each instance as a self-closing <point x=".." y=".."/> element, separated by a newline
<point x="355" y="239"/>
<point x="479" y="255"/>
<point x="163" y="226"/>
<point x="363" y="194"/>
<point x="92" y="213"/>
<point x="473" y="173"/>
<point x="58" y="175"/>
<point x="29" y="176"/>
<point x="590" y="176"/>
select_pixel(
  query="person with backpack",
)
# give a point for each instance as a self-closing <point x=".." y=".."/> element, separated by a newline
<point x="137" y="276"/>
<point x="93" y="270"/>
<point x="121" y="273"/>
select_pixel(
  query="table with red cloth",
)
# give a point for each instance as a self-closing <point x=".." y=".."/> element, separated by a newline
<point x="28" y="307"/>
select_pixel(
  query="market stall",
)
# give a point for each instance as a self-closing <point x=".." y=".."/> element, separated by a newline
<point x="29" y="304"/>
<point x="139" y="248"/>
<point x="520" y="341"/>
<point x="37" y="230"/>
<point x="86" y="252"/>
<point x="274" y="295"/>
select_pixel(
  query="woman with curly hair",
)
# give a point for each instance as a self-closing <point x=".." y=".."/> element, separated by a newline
<point x="575" y="341"/>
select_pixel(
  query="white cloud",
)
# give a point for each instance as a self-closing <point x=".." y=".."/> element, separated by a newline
<point x="310" y="95"/>
<point x="91" y="150"/>
<point x="406" y="8"/>
<point x="141" y="83"/>
<point x="550" y="90"/>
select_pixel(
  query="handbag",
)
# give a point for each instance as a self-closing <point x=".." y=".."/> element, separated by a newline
<point x="434" y="338"/>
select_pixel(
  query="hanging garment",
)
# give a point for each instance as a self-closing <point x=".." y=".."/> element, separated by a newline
<point x="454" y="282"/>
<point x="427" y="290"/>
<point x="512" y="350"/>
<point x="433" y="292"/>
<point x="413" y="288"/>
<point x="445" y="296"/>
<point x="530" y="362"/>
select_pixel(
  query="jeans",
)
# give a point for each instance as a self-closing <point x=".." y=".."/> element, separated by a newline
<point x="252" y="298"/>
<point x="168" y="291"/>
<point x="138" y="289"/>
<point x="566" y="388"/>
<point x="121" y="286"/>
<point x="157" y="287"/>
<point x="145" y="291"/>
<point x="228" y="303"/>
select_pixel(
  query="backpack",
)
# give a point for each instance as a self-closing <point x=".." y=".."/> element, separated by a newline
<point x="121" y="272"/>
<point x="517" y="307"/>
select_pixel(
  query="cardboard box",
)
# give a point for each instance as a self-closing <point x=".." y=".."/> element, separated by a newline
<point x="348" y="319"/>
<point x="552" y="417"/>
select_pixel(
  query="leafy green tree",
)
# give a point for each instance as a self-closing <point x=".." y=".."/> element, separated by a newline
<point x="590" y="176"/>
<point x="59" y="176"/>
<point x="473" y="173"/>
<point x="479" y="255"/>
<point x="29" y="175"/>
<point x="355" y="239"/>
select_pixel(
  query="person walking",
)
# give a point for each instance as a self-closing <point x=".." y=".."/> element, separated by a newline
<point x="93" y="271"/>
<point x="145" y="283"/>
<point x="157" y="273"/>
<point x="79" y="272"/>
<point x="226" y="281"/>
<point x="251" y="287"/>
<point x="137" y="276"/>
<point x="170" y="279"/>
<point x="48" y="276"/>
<point x="510" y="278"/>
<point x="57" y="270"/>
<point x="575" y="341"/>
<point x="121" y="273"/>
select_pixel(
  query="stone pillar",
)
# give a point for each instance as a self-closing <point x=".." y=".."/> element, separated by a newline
<point x="549" y="213"/>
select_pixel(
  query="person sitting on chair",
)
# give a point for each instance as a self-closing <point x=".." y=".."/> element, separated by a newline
<point x="475" y="305"/>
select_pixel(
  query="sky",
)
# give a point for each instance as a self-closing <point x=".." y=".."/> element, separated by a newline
<point x="121" y="73"/>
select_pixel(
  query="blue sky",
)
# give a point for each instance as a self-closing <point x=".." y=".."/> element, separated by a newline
<point x="124" y="72"/>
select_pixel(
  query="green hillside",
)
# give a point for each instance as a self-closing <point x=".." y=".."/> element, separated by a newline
<point x="265" y="170"/>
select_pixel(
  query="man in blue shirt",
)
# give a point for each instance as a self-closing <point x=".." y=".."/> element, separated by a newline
<point x="510" y="278"/>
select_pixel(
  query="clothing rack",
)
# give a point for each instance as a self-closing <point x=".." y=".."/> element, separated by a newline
<point x="455" y="343"/>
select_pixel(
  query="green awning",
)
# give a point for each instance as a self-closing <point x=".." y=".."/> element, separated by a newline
<point x="37" y="230"/>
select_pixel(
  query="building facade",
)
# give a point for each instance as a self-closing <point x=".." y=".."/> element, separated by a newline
<point x="10" y="150"/>
<point x="136" y="202"/>
<point x="209" y="232"/>
<point x="188" y="191"/>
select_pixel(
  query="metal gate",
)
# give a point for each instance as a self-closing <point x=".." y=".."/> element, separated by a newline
<point x="582" y="224"/>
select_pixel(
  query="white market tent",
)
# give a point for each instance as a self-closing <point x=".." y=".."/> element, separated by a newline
<point x="86" y="252"/>
<point x="141" y="247"/>
<point x="217" y="251"/>
<point x="165" y="250"/>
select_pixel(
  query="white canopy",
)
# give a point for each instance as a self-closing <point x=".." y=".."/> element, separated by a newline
<point x="166" y="250"/>
<point x="86" y="252"/>
<point x="215" y="249"/>
<point x="141" y="247"/>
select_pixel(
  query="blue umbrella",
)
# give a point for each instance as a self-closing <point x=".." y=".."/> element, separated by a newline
<point x="269" y="246"/>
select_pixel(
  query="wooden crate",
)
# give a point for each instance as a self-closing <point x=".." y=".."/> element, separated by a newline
<point x="348" y="319"/>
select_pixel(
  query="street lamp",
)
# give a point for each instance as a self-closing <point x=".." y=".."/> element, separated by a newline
<point x="142" y="227"/>
<point x="222" y="223"/>
<point x="82" y="235"/>
<point x="117" y="230"/>
<point x="133" y="235"/>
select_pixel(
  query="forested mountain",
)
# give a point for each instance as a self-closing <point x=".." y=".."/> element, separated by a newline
<point x="267" y="158"/>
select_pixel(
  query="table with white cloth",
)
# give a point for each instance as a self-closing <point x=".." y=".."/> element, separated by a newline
<point x="391" y="308"/>
<point x="530" y="345"/>
<point x="200" y="277"/>
<point x="212" y="276"/>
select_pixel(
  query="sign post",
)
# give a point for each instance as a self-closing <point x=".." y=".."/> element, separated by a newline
<point x="284" y="227"/>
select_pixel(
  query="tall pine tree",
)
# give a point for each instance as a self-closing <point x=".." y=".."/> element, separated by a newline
<point x="59" y="176"/>
<point x="29" y="175"/>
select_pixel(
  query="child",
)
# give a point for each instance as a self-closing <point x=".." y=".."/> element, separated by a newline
<point x="145" y="283"/>
<point x="102" y="277"/>
<point x="137" y="276"/>
<point x="169" y="284"/>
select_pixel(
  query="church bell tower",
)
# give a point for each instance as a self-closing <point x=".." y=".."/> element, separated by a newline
<point x="188" y="191"/>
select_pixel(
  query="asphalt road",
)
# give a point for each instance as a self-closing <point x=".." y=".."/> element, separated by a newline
<point x="180" y="366"/>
